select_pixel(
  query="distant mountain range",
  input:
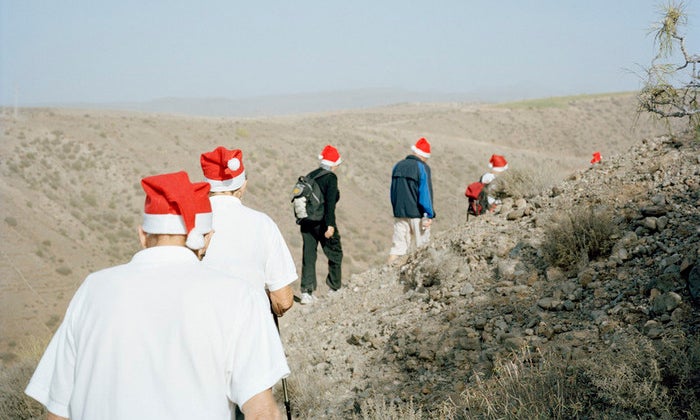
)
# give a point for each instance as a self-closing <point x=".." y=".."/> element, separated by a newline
<point x="303" y="102"/>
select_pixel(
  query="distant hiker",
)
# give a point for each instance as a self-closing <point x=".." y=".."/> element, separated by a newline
<point x="497" y="164"/>
<point x="324" y="231"/>
<point x="412" y="200"/>
<point x="596" y="158"/>
<point x="477" y="195"/>
<point x="163" y="336"/>
<point x="488" y="179"/>
<point x="247" y="242"/>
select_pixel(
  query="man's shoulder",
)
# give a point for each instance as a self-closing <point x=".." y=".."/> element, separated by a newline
<point x="319" y="173"/>
<point x="410" y="162"/>
<point x="323" y="177"/>
<point x="223" y="209"/>
<point x="258" y="215"/>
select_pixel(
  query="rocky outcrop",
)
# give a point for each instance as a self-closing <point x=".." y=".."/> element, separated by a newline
<point x="423" y="330"/>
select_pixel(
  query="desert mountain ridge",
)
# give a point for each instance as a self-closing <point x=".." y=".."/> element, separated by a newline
<point x="297" y="103"/>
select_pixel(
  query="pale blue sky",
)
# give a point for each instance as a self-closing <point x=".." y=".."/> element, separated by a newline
<point x="136" y="50"/>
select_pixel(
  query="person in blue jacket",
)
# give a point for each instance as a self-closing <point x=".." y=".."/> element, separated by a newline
<point x="411" y="200"/>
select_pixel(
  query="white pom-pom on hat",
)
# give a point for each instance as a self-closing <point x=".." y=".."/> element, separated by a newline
<point x="223" y="169"/>
<point x="195" y="240"/>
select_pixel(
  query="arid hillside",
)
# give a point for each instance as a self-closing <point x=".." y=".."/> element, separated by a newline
<point x="71" y="198"/>
<point x="581" y="302"/>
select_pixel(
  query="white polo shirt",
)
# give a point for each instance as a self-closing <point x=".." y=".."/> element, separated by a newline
<point x="248" y="244"/>
<point x="162" y="337"/>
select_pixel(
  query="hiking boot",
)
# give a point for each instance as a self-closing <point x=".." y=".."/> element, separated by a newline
<point x="306" y="299"/>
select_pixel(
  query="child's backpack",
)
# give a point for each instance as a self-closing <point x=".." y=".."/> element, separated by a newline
<point x="307" y="198"/>
<point x="478" y="200"/>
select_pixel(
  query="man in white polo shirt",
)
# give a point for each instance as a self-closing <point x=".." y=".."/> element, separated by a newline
<point x="247" y="242"/>
<point x="163" y="336"/>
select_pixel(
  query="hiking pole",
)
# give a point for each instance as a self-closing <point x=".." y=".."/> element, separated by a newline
<point x="287" y="405"/>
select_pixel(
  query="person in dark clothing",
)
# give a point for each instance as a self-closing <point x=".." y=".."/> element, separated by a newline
<point x="411" y="200"/>
<point x="324" y="231"/>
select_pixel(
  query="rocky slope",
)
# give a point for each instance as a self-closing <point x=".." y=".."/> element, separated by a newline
<point x="423" y="331"/>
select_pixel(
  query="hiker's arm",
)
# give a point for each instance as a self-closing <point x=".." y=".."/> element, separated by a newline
<point x="52" y="416"/>
<point x="281" y="300"/>
<point x="425" y="201"/>
<point x="261" y="406"/>
<point x="331" y="197"/>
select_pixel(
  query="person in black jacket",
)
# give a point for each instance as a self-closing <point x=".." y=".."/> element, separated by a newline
<point x="411" y="200"/>
<point x="324" y="231"/>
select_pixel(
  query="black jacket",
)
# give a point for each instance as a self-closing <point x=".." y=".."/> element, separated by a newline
<point x="328" y="184"/>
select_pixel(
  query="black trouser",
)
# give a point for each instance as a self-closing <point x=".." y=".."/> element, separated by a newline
<point x="312" y="234"/>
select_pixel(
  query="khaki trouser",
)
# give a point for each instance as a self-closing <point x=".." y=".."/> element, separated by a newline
<point x="405" y="230"/>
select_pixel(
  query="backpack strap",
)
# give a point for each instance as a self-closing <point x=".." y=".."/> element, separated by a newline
<point x="320" y="173"/>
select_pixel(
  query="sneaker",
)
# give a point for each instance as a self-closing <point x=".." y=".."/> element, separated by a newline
<point x="306" y="299"/>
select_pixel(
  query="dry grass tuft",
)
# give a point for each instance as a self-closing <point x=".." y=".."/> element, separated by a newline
<point x="14" y="377"/>
<point x="633" y="378"/>
<point x="579" y="236"/>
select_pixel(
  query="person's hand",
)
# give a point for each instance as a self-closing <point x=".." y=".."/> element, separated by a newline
<point x="329" y="232"/>
<point x="427" y="223"/>
<point x="281" y="300"/>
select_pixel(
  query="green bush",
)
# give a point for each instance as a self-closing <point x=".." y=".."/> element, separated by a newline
<point x="579" y="236"/>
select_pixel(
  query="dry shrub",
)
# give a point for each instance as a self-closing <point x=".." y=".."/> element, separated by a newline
<point x="526" y="182"/>
<point x="14" y="377"/>
<point x="626" y="378"/>
<point x="525" y="387"/>
<point x="680" y="362"/>
<point x="634" y="377"/>
<point x="377" y="407"/>
<point x="578" y="236"/>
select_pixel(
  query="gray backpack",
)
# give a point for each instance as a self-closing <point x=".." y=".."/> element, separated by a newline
<point x="307" y="199"/>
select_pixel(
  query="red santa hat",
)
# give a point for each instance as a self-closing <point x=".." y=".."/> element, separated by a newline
<point x="421" y="148"/>
<point x="329" y="156"/>
<point x="223" y="169"/>
<point x="498" y="163"/>
<point x="176" y="206"/>
<point x="596" y="158"/>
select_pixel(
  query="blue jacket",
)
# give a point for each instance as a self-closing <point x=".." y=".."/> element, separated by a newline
<point x="412" y="189"/>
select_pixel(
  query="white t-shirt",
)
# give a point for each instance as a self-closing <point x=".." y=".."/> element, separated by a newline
<point x="248" y="244"/>
<point x="162" y="337"/>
